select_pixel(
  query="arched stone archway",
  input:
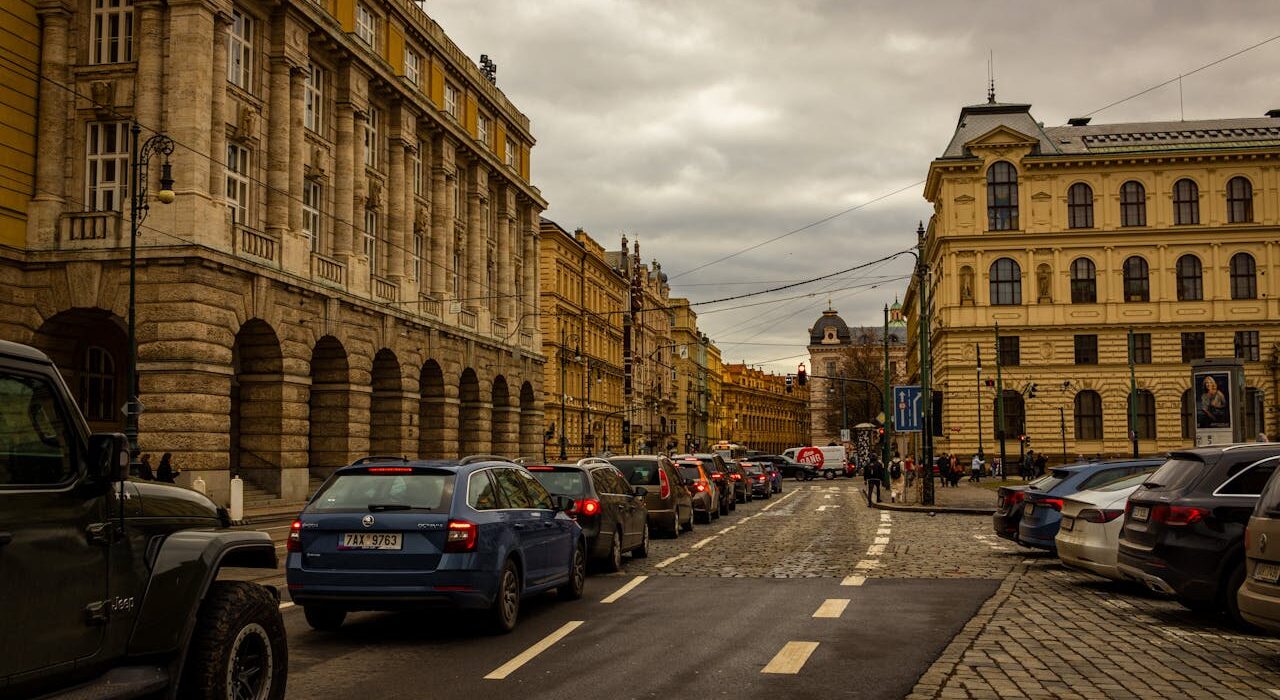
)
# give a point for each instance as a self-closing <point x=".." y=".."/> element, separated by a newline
<point x="257" y="398"/>
<point x="91" y="349"/>
<point x="531" y="443"/>
<point x="388" y="415"/>
<point x="329" y="408"/>
<point x="504" y="432"/>
<point x="473" y="416"/>
<point x="431" y="412"/>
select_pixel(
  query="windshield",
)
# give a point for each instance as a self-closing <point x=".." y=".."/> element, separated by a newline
<point x="690" y="473"/>
<point x="1123" y="484"/>
<point x="565" y="483"/>
<point x="639" y="472"/>
<point x="1175" y="474"/>
<point x="419" y="491"/>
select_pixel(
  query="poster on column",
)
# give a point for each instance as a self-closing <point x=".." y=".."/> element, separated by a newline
<point x="1213" y="397"/>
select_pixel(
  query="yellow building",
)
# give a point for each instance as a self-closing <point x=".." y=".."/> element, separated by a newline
<point x="715" y="395"/>
<point x="19" y="82"/>
<point x="1070" y="236"/>
<point x="760" y="413"/>
<point x="693" y="400"/>
<point x="582" y="298"/>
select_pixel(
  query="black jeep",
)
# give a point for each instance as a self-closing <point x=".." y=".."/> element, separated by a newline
<point x="108" y="587"/>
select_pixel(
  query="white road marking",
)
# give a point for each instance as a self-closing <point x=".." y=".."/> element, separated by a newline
<point x="823" y="508"/>
<point x="728" y="529"/>
<point x="780" y="500"/>
<point x="624" y="590"/>
<point x="704" y="541"/>
<point x="527" y="655"/>
<point x="672" y="560"/>
<point x="881" y="540"/>
<point x="827" y="495"/>
<point x="790" y="659"/>
<point x="286" y="605"/>
<point x="875" y="550"/>
<point x="882" y="532"/>
<point x="853" y="580"/>
<point x="868" y="564"/>
<point x="832" y="608"/>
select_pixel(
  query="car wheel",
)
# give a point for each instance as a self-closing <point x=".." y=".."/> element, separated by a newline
<point x="676" y="526"/>
<point x="1204" y="607"/>
<point x="614" y="562"/>
<point x="572" y="589"/>
<point x="828" y="475"/>
<point x="704" y="517"/>
<point x="768" y="494"/>
<point x="642" y="551"/>
<point x="688" y="525"/>
<point x="506" y="604"/>
<point x="1234" y="582"/>
<point x="322" y="618"/>
<point x="238" y="648"/>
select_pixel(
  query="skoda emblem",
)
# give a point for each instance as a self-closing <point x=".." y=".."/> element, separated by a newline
<point x="367" y="521"/>
<point x="1262" y="544"/>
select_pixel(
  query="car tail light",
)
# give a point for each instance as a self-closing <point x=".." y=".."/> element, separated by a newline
<point x="1177" y="515"/>
<point x="717" y="476"/>
<point x="1054" y="503"/>
<point x="760" y="478"/>
<point x="294" y="542"/>
<point x="461" y="536"/>
<point x="735" y="476"/>
<point x="586" y="506"/>
<point x="1093" y="515"/>
<point x="541" y="469"/>
<point x="390" y="470"/>
<point x="700" y="486"/>
<point x="664" y="491"/>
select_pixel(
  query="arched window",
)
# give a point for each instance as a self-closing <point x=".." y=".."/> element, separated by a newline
<point x="1146" y="414"/>
<point x="1188" y="415"/>
<point x="1080" y="206"/>
<point x="1006" y="282"/>
<point x="1244" y="277"/>
<point x="1137" y="282"/>
<point x="98" y="385"/>
<point x="1088" y="415"/>
<point x="1239" y="200"/>
<point x="1084" y="281"/>
<point x="1133" y="204"/>
<point x="1190" y="279"/>
<point x="1186" y="202"/>
<point x="1002" y="197"/>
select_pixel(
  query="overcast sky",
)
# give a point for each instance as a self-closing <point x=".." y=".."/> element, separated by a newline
<point x="706" y="126"/>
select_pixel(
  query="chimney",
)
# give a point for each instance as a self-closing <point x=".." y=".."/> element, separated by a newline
<point x="1079" y="121"/>
<point x="1273" y="113"/>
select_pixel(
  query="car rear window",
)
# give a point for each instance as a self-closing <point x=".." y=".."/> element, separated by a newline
<point x="1269" y="504"/>
<point x="752" y="469"/>
<point x="565" y="483"/>
<point x="1122" y="484"/>
<point x="690" y="473"/>
<point x="417" y="491"/>
<point x="1251" y="481"/>
<point x="1175" y="474"/>
<point x="1106" y="476"/>
<point x="1048" y="481"/>
<point x="709" y="464"/>
<point x="639" y="472"/>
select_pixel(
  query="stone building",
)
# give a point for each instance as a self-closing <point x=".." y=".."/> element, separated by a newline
<point x="583" y="298"/>
<point x="760" y="413"/>
<point x="350" y="264"/>
<point x="1069" y="237"/>
<point x="838" y="351"/>
<point x="693" y="400"/>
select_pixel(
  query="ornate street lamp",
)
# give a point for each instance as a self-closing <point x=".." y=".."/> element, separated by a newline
<point x="138" y="207"/>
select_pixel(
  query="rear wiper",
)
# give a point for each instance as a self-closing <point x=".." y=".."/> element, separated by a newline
<point x="379" y="507"/>
<point x="1152" y="485"/>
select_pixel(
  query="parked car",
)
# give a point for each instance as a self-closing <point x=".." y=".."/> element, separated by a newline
<point x="1259" y="597"/>
<point x="829" y="461"/>
<point x="702" y="490"/>
<point x="761" y="484"/>
<point x="611" y="512"/>
<point x="788" y="468"/>
<point x="1009" y="508"/>
<point x="1184" y="527"/>
<point x="668" y="501"/>
<point x="715" y="467"/>
<point x="468" y="534"/>
<point x="110" y="587"/>
<point x="1091" y="523"/>
<point x="1042" y="504"/>
<point x="738" y="479"/>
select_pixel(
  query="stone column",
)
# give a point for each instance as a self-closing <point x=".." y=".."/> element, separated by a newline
<point x="396" y="185"/>
<point x="441" y="226"/>
<point x="450" y="435"/>
<point x="344" y="196"/>
<point x="278" y="138"/>
<point x="505" y="263"/>
<point x="476" y="244"/>
<point x="411" y="228"/>
<point x="358" y="271"/>
<point x="149" y="86"/>
<point x="51" y="131"/>
<point x="297" y="142"/>
<point x="218" y="122"/>
<point x="531" y="267"/>
<point x="191" y="84"/>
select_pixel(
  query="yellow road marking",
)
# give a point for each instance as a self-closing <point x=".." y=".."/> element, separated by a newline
<point x="875" y="550"/>
<point x="832" y="607"/>
<point x="853" y="580"/>
<point x="527" y="655"/>
<point x="881" y="540"/>
<point x="868" y="564"/>
<point x="672" y="560"/>
<point x="704" y="541"/>
<point x="624" y="590"/>
<point x="791" y="658"/>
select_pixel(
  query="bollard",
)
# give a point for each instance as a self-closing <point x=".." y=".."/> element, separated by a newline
<point x="237" y="499"/>
<point x="198" y="485"/>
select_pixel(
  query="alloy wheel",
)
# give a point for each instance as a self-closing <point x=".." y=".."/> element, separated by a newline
<point x="249" y="667"/>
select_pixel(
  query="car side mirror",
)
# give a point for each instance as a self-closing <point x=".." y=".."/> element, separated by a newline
<point x="109" y="456"/>
<point x="562" y="503"/>
<point x="640" y="492"/>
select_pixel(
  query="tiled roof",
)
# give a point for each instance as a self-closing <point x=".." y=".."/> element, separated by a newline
<point x="1163" y="136"/>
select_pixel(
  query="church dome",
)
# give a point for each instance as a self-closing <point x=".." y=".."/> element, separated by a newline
<point x="829" y="325"/>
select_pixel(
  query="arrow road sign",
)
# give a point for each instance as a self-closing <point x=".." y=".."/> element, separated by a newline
<point x="908" y="413"/>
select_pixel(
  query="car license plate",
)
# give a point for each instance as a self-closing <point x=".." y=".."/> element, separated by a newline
<point x="370" y="540"/>
<point x="1068" y="523"/>
<point x="1268" y="573"/>
<point x="1141" y="513"/>
<point x="1026" y="510"/>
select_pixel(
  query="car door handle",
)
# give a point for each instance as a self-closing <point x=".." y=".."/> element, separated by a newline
<point x="5" y="538"/>
<point x="518" y="526"/>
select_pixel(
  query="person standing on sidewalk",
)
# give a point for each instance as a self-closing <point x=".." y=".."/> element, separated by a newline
<point x="910" y="467"/>
<point x="975" y="471"/>
<point x="875" y="474"/>
<point x="897" y="479"/>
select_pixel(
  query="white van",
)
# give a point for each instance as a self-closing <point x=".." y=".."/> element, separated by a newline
<point x="830" y="460"/>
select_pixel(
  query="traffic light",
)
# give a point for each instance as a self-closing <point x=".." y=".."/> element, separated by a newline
<point x="789" y="383"/>
<point x="626" y="432"/>
<point x="989" y="382"/>
<point x="800" y="377"/>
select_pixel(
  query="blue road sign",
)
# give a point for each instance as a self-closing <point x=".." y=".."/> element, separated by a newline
<point x="908" y="410"/>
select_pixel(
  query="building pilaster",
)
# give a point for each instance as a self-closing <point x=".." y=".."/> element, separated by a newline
<point x="396" y="210"/>
<point x="343" y="194"/>
<point x="51" y="132"/>
<point x="473" y="283"/>
<point x="506" y="263"/>
<point x="277" y="139"/>
<point x="149" y="86"/>
<point x="218" y="122"/>
<point x="441" y="226"/>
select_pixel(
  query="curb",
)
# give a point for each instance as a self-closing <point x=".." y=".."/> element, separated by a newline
<point x="948" y="510"/>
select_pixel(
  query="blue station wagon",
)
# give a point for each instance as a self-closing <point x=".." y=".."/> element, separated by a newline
<point x="391" y="534"/>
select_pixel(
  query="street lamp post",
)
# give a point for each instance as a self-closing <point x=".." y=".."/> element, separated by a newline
<point x="138" y="208"/>
<point x="977" y="347"/>
<point x="926" y="393"/>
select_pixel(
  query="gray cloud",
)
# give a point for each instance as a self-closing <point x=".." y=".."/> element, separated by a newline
<point x="704" y="126"/>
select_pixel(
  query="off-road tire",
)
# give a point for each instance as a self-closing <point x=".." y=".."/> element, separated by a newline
<point x="572" y="589"/>
<point x="324" y="619"/>
<point x="505" y="610"/>
<point x="235" y="614"/>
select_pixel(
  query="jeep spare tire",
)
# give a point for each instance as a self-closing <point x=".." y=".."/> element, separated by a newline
<point x="238" y="648"/>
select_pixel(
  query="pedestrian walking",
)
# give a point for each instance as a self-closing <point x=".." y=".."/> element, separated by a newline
<point x="897" y="479"/>
<point x="939" y="471"/>
<point x="997" y="468"/>
<point x="910" y="466"/>
<point x="875" y="474"/>
<point x="975" y="469"/>
<point x="956" y="470"/>
<point x="1042" y="464"/>
<point x="166" y="471"/>
<point x="144" y="468"/>
<point x="1028" y="464"/>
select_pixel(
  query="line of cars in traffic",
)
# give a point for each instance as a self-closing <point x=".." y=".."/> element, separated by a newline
<point x="484" y="533"/>
<point x="1201" y="525"/>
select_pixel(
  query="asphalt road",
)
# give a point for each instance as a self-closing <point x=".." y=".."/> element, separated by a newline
<point x="743" y="625"/>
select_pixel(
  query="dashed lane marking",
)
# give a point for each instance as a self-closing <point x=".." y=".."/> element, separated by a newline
<point x="832" y="608"/>
<point x="624" y="589"/>
<point x="790" y="659"/>
<point x="527" y="655"/>
<point x="731" y="528"/>
<point x="853" y="580"/>
<point x="884" y="532"/>
<point x="704" y="541"/>
<point x="824" y="508"/>
<point x="881" y="540"/>
<point x="868" y="564"/>
<point x="875" y="550"/>
<point x="780" y="500"/>
<point x="666" y="562"/>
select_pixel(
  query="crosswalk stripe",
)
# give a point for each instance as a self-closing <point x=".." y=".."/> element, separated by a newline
<point x="832" y="608"/>
<point x="790" y="659"/>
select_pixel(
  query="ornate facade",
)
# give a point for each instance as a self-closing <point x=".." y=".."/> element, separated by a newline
<point x="760" y="413"/>
<point x="836" y="350"/>
<point x="1070" y="237"/>
<point x="350" y="263"/>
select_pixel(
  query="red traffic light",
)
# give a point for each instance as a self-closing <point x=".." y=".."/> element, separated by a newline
<point x="800" y="375"/>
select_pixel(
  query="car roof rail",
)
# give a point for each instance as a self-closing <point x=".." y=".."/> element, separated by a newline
<point x="472" y="459"/>
<point x="593" y="460"/>
<point x="379" y="458"/>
